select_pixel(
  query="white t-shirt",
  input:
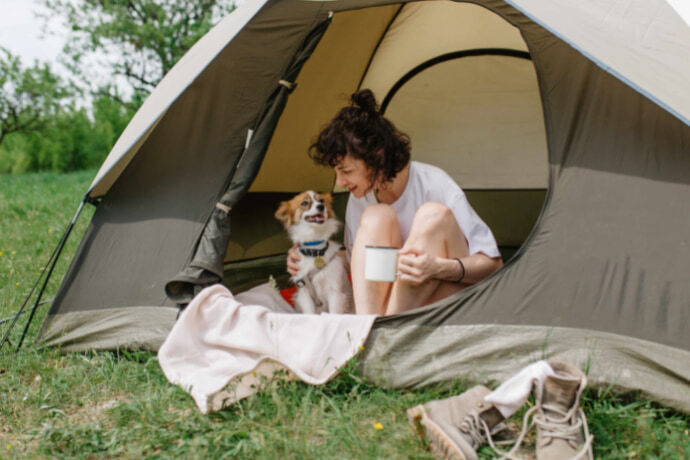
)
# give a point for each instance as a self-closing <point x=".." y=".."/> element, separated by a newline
<point x="426" y="183"/>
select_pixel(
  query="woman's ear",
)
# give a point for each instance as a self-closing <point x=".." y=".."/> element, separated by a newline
<point x="284" y="214"/>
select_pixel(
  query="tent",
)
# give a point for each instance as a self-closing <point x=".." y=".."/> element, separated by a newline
<point x="567" y="123"/>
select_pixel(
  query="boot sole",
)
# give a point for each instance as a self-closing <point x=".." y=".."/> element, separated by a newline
<point x="441" y="446"/>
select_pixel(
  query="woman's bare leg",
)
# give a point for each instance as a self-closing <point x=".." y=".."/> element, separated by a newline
<point x="436" y="232"/>
<point x="377" y="227"/>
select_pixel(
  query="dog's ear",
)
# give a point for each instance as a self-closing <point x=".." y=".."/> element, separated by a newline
<point x="328" y="202"/>
<point x="284" y="214"/>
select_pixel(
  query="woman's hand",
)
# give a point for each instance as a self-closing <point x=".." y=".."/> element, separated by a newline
<point x="293" y="260"/>
<point x="416" y="266"/>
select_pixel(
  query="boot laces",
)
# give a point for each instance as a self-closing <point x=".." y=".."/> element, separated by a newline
<point x="476" y="428"/>
<point x="554" y="427"/>
<point x="564" y="428"/>
<point x="512" y="453"/>
<point x="567" y="426"/>
<point x="557" y="424"/>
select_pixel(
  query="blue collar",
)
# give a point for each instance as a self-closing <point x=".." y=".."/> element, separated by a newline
<point x="312" y="252"/>
<point x="312" y="243"/>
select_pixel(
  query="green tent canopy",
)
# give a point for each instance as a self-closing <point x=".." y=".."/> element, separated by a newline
<point x="567" y="123"/>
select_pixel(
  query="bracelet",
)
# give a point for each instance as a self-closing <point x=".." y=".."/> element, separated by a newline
<point x="462" y="277"/>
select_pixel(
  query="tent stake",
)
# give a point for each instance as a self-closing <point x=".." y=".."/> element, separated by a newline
<point x="10" y="318"/>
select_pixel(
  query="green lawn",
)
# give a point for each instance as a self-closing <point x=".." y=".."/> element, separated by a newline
<point x="120" y="405"/>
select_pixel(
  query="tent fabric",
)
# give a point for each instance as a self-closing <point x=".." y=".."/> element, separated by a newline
<point x="146" y="228"/>
<point x="206" y="267"/>
<point x="402" y="37"/>
<point x="654" y="62"/>
<point x="418" y="355"/>
<point x="644" y="43"/>
<point x="466" y="101"/>
<point x="316" y="99"/>
<point x="421" y="30"/>
<point x="604" y="268"/>
<point x="682" y="8"/>
<point x="142" y="327"/>
<point x="175" y="82"/>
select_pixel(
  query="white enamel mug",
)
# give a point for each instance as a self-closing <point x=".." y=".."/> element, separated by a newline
<point x="380" y="263"/>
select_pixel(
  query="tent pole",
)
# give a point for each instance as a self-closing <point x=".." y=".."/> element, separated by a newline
<point x="54" y="257"/>
<point x="21" y="311"/>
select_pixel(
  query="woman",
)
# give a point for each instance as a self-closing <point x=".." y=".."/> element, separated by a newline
<point x="400" y="203"/>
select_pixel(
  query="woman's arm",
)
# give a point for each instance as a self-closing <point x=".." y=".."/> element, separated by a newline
<point x="476" y="267"/>
<point x="416" y="267"/>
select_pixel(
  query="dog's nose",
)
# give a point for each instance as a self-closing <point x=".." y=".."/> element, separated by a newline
<point x="320" y="207"/>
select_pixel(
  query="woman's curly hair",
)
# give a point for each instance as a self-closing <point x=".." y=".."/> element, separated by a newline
<point x="361" y="131"/>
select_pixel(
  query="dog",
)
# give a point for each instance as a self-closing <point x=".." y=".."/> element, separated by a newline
<point x="322" y="280"/>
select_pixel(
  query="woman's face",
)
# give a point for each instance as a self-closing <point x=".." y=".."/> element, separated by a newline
<point x="353" y="174"/>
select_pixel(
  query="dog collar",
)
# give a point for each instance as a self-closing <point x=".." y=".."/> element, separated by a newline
<point x="312" y="243"/>
<point x="311" y="252"/>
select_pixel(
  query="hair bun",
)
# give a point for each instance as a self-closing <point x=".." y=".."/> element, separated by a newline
<point x="365" y="100"/>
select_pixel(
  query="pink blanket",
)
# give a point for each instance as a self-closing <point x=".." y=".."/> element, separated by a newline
<point x="222" y="345"/>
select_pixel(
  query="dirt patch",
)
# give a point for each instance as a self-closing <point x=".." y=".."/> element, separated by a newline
<point x="94" y="411"/>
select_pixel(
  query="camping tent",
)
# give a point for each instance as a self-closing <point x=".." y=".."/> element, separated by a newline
<point x="573" y="115"/>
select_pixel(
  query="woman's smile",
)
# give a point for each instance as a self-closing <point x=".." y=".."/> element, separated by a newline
<point x="352" y="174"/>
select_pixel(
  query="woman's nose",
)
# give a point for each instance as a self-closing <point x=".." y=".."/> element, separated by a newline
<point x="339" y="181"/>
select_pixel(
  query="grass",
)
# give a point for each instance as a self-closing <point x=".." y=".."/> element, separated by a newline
<point x="119" y="404"/>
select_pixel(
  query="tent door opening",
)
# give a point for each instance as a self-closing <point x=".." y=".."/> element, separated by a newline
<point x="455" y="76"/>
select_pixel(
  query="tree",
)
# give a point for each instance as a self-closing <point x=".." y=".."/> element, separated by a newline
<point x="139" y="40"/>
<point x="28" y="96"/>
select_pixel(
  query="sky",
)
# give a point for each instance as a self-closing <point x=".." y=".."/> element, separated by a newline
<point x="20" y="32"/>
<point x="682" y="7"/>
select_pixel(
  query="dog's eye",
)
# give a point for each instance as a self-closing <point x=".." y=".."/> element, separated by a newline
<point x="305" y="203"/>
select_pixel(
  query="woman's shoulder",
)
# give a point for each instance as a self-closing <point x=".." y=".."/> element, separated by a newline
<point x="434" y="177"/>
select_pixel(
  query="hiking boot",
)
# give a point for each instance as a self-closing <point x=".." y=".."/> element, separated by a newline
<point x="457" y="426"/>
<point x="562" y="431"/>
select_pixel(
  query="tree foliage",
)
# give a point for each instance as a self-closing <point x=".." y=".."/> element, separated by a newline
<point x="44" y="125"/>
<point x="28" y="96"/>
<point x="139" y="40"/>
<point x="73" y="138"/>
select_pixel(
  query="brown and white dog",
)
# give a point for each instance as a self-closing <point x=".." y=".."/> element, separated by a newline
<point x="322" y="279"/>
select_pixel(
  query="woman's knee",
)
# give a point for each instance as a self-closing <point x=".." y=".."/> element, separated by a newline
<point x="378" y="216"/>
<point x="432" y="216"/>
